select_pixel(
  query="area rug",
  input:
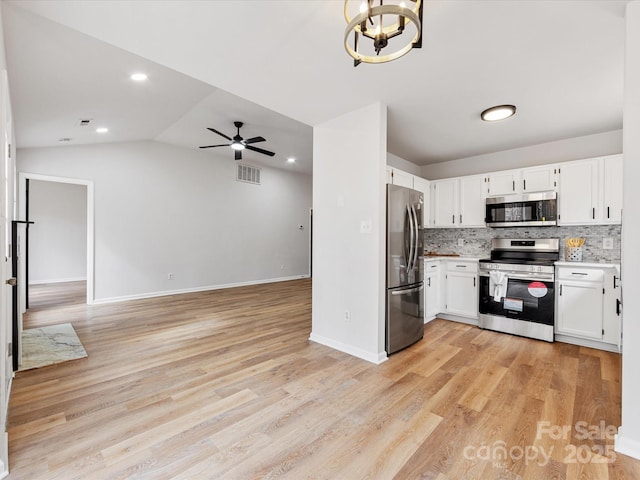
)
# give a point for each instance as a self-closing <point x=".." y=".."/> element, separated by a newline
<point x="49" y="345"/>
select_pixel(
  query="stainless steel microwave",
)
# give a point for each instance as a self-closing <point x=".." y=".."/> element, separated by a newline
<point x="532" y="209"/>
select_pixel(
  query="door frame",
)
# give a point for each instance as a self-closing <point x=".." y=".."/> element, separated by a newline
<point x="22" y="181"/>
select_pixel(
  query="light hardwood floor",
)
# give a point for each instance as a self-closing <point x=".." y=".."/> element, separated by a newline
<point x="225" y="384"/>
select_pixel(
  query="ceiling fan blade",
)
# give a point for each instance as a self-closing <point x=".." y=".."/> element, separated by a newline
<point x="238" y="154"/>
<point x="219" y="133"/>
<point x="255" y="140"/>
<point x="212" y="146"/>
<point x="260" y="150"/>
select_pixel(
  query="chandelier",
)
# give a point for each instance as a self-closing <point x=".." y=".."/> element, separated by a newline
<point x="381" y="23"/>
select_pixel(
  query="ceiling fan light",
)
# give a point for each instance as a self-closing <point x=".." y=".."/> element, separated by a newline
<point x="237" y="146"/>
<point x="499" y="112"/>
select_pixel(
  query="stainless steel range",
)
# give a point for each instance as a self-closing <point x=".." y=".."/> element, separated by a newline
<point x="517" y="292"/>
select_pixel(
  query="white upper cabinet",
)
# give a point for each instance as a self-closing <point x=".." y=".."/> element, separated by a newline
<point x="503" y="183"/>
<point x="578" y="194"/>
<point x="404" y="179"/>
<point x="590" y="191"/>
<point x="472" y="205"/>
<point x="539" y="179"/>
<point x="612" y="189"/>
<point x="527" y="180"/>
<point x="444" y="203"/>
<point x="458" y="202"/>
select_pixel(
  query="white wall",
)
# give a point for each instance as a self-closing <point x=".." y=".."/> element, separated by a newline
<point x="58" y="238"/>
<point x="600" y="144"/>
<point x="402" y="164"/>
<point x="349" y="161"/>
<point x="628" y="440"/>
<point x="161" y="209"/>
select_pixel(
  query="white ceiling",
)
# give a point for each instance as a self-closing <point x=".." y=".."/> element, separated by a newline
<point x="561" y="62"/>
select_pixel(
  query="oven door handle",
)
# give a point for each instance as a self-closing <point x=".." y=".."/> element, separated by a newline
<point x="531" y="277"/>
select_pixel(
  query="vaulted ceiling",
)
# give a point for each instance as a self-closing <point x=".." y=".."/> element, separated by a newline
<point x="281" y="67"/>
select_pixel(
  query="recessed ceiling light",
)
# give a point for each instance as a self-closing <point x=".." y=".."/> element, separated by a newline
<point x="138" y="77"/>
<point x="499" y="112"/>
<point x="291" y="160"/>
<point x="64" y="140"/>
<point x="102" y="130"/>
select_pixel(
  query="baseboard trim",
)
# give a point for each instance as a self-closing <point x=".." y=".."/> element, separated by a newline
<point x="349" y="349"/>
<point x="584" y="342"/>
<point x="166" y="293"/>
<point x="57" y="280"/>
<point x="627" y="446"/>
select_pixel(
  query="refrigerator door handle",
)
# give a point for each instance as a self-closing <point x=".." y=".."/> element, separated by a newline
<point x="407" y="290"/>
<point x="412" y="240"/>
<point x="416" y="242"/>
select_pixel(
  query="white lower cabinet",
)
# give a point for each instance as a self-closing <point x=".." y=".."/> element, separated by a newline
<point x="451" y="288"/>
<point x="588" y="305"/>
<point x="432" y="283"/>
<point x="461" y="285"/>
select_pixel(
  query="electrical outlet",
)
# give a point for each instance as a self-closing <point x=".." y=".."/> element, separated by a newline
<point x="347" y="316"/>
<point x="366" y="226"/>
<point x="607" y="243"/>
<point x="170" y="276"/>
<point x="461" y="242"/>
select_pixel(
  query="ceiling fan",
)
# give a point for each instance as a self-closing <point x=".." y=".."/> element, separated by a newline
<point x="238" y="143"/>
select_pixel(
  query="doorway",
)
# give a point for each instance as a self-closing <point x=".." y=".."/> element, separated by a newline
<point x="58" y="262"/>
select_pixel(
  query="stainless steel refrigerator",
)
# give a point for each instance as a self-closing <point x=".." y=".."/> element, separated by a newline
<point x="405" y="287"/>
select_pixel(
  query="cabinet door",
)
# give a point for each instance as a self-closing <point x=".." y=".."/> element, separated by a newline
<point x="472" y="203"/>
<point x="503" y="183"/>
<point x="423" y="185"/>
<point x="444" y="203"/>
<point x="462" y="294"/>
<point x="539" y="179"/>
<point x="577" y="196"/>
<point x="612" y="189"/>
<point x="432" y="293"/>
<point x="580" y="309"/>
<point x="401" y="178"/>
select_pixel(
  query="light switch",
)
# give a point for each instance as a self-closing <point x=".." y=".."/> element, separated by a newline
<point x="607" y="243"/>
<point x="461" y="242"/>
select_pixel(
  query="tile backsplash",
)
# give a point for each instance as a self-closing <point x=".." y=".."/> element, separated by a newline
<point x="477" y="241"/>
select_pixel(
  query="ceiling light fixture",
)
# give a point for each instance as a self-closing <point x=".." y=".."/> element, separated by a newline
<point x="138" y="77"/>
<point x="102" y="130"/>
<point x="381" y="23"/>
<point x="291" y="160"/>
<point x="237" y="146"/>
<point x="499" y="112"/>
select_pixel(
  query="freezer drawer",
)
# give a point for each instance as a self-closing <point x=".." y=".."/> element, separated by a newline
<point x="405" y="317"/>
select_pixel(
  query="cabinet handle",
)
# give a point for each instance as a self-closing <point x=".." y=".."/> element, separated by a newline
<point x="618" y="305"/>
<point x="460" y="219"/>
<point x="524" y="184"/>
<point x="474" y="281"/>
<point x="578" y="273"/>
<point x="608" y="216"/>
<point x="614" y="282"/>
<point x="593" y="214"/>
<point x="429" y="282"/>
<point x="560" y="290"/>
<point x="514" y="185"/>
<point x="453" y="219"/>
<point x="461" y="266"/>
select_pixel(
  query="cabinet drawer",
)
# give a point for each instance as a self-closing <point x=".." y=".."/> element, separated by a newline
<point x="462" y="266"/>
<point x="431" y="266"/>
<point x="582" y="274"/>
